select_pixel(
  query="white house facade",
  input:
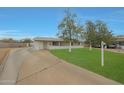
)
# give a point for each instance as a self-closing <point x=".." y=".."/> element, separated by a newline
<point x="53" y="43"/>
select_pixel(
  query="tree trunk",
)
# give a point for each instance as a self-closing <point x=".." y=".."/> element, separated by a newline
<point x="90" y="47"/>
<point x="70" y="47"/>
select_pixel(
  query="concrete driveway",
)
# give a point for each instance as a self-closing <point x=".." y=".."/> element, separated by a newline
<point x="44" y="68"/>
<point x="25" y="66"/>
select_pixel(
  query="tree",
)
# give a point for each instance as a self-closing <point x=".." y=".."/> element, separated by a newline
<point x="68" y="28"/>
<point x="78" y="33"/>
<point x="97" y="32"/>
<point x="26" y="40"/>
<point x="90" y="33"/>
<point x="9" y="40"/>
<point x="103" y="33"/>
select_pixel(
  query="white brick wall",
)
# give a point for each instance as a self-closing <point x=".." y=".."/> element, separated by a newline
<point x="39" y="45"/>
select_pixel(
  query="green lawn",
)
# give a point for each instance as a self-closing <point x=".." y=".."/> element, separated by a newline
<point x="114" y="62"/>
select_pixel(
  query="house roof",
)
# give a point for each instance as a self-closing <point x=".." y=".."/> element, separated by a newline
<point x="120" y="38"/>
<point x="47" y="39"/>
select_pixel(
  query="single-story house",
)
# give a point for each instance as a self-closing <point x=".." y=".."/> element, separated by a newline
<point x="120" y="42"/>
<point x="53" y="43"/>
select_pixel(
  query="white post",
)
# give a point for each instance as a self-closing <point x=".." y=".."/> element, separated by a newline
<point x="102" y="53"/>
<point x="70" y="47"/>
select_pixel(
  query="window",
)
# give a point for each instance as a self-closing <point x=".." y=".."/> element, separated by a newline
<point x="55" y="43"/>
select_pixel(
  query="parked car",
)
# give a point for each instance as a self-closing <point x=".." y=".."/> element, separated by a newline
<point x="111" y="46"/>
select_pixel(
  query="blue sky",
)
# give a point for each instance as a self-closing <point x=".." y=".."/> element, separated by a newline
<point x="32" y="22"/>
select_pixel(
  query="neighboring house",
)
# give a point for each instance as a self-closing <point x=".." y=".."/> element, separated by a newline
<point x="120" y="42"/>
<point x="53" y="43"/>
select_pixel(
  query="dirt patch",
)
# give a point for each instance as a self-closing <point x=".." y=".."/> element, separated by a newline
<point x="3" y="53"/>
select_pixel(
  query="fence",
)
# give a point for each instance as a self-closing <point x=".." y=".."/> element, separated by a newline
<point x="12" y="45"/>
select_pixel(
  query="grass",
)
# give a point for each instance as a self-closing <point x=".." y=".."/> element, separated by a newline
<point x="114" y="62"/>
<point x="3" y="53"/>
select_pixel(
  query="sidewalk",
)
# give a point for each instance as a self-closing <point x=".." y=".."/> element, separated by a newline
<point x="12" y="66"/>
